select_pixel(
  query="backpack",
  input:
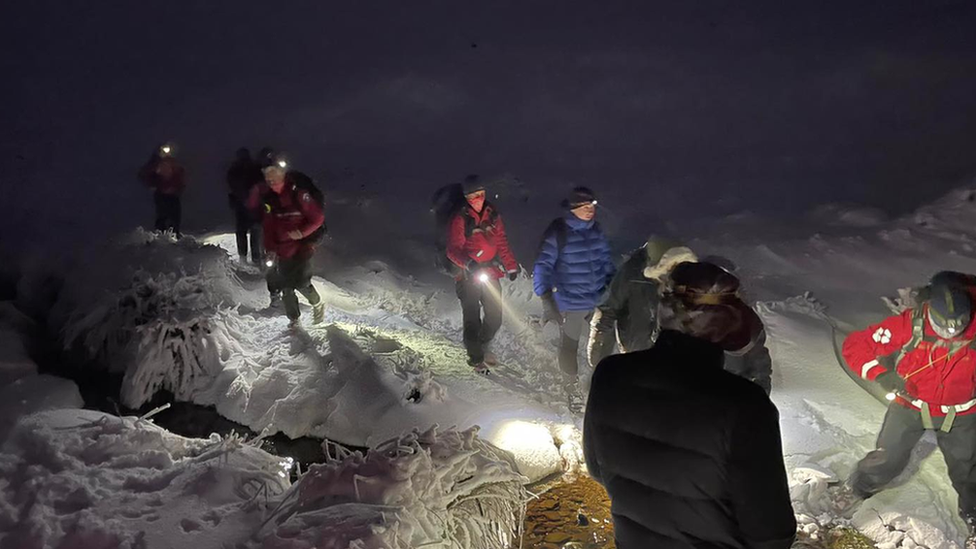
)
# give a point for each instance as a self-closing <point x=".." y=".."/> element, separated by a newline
<point x="302" y="181"/>
<point x="559" y="227"/>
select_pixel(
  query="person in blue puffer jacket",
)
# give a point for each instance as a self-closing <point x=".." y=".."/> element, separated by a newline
<point x="572" y="272"/>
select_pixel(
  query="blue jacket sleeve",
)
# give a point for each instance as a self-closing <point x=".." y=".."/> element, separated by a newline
<point x="545" y="264"/>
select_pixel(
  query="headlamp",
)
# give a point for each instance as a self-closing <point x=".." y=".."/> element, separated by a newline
<point x="269" y="263"/>
<point x="483" y="278"/>
<point x="890" y="396"/>
<point x="282" y="164"/>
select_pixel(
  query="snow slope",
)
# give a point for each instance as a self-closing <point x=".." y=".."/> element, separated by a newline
<point x="184" y="317"/>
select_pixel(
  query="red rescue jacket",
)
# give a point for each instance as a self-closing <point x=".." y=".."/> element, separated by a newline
<point x="164" y="175"/>
<point x="293" y="209"/>
<point x="940" y="372"/>
<point x="481" y="237"/>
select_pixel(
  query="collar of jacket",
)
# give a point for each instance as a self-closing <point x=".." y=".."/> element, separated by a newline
<point x="700" y="353"/>
<point x="578" y="224"/>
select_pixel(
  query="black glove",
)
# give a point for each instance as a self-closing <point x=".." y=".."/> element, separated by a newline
<point x="891" y="382"/>
<point x="513" y="274"/>
<point x="550" y="311"/>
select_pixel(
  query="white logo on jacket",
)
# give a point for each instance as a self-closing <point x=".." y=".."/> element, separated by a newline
<point x="882" y="336"/>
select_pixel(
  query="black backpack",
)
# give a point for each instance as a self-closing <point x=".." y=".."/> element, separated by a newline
<point x="559" y="227"/>
<point x="303" y="182"/>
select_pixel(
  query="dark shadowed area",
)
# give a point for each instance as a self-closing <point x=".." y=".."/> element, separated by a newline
<point x="668" y="110"/>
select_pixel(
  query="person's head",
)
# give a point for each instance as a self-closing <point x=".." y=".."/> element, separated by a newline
<point x="243" y="154"/>
<point x="658" y="270"/>
<point x="949" y="308"/>
<point x="582" y="203"/>
<point x="274" y="176"/>
<point x="474" y="191"/>
<point x="702" y="300"/>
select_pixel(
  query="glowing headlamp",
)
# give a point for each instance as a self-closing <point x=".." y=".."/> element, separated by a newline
<point x="269" y="263"/>
<point x="166" y="149"/>
<point x="483" y="278"/>
<point x="282" y="164"/>
<point x="891" y="396"/>
<point x="594" y="202"/>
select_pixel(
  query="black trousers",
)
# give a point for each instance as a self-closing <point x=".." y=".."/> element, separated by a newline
<point x="245" y="226"/>
<point x="290" y="275"/>
<point x="168" y="212"/>
<point x="479" y="331"/>
<point x="901" y="430"/>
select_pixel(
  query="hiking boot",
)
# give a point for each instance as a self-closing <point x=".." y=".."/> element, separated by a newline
<point x="574" y="399"/>
<point x="275" y="301"/>
<point x="318" y="313"/>
<point x="491" y="359"/>
<point x="479" y="366"/>
<point x="294" y="324"/>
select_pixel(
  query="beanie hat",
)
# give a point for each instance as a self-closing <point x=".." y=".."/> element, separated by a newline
<point x="703" y="301"/>
<point x="472" y="184"/>
<point x="579" y="196"/>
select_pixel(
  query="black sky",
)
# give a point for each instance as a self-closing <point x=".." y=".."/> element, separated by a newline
<point x="723" y="106"/>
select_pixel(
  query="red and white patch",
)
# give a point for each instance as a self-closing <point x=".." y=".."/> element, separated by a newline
<point x="882" y="336"/>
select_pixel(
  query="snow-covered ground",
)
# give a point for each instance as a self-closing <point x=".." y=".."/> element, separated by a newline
<point x="184" y="317"/>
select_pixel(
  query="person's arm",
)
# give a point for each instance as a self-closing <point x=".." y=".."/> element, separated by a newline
<point x="311" y="211"/>
<point x="604" y="322"/>
<point x="504" y="251"/>
<point x="758" y="486"/>
<point x="863" y="348"/>
<point x="545" y="264"/>
<point x="456" y="242"/>
<point x="753" y="362"/>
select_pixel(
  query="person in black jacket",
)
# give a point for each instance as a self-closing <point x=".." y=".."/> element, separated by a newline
<point x="628" y="318"/>
<point x="690" y="454"/>
<point x="243" y="175"/>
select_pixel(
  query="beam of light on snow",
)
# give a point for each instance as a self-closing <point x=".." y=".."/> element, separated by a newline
<point x="507" y="312"/>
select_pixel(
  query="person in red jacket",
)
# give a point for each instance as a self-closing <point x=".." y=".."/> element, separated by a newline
<point x="290" y="216"/>
<point x="925" y="358"/>
<point x="164" y="175"/>
<point x="477" y="245"/>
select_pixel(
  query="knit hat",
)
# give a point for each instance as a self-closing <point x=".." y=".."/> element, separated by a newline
<point x="472" y="184"/>
<point x="702" y="300"/>
<point x="579" y="196"/>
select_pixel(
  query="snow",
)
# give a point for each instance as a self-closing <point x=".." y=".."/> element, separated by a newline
<point x="388" y="365"/>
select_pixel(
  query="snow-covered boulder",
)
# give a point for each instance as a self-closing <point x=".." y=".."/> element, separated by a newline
<point x="446" y="489"/>
<point x="79" y="478"/>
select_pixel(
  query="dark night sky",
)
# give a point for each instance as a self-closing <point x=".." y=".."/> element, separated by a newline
<point x="724" y="106"/>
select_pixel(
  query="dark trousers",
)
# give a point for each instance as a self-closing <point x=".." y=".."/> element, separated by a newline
<point x="289" y="275"/>
<point x="478" y="331"/>
<point x="168" y="212"/>
<point x="901" y="430"/>
<point x="246" y="225"/>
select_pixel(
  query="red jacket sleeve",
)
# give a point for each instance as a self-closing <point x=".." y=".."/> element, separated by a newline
<point x="862" y="349"/>
<point x="312" y="211"/>
<point x="456" y="241"/>
<point x="504" y="251"/>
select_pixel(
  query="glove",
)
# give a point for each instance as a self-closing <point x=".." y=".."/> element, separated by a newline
<point x="513" y="273"/>
<point x="891" y="382"/>
<point x="550" y="312"/>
